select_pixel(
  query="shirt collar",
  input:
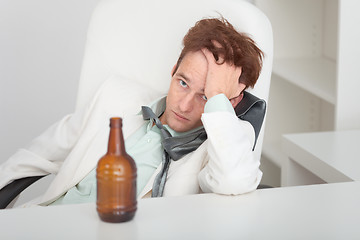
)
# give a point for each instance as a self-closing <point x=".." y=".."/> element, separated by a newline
<point x="157" y="106"/>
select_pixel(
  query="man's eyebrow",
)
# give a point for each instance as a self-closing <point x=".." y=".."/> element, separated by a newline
<point x="184" y="76"/>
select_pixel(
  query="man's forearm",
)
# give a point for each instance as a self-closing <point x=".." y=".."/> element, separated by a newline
<point x="232" y="168"/>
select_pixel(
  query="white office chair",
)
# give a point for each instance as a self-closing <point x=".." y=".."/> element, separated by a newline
<point x="142" y="40"/>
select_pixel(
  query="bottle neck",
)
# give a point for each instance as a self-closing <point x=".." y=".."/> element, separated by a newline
<point x="116" y="143"/>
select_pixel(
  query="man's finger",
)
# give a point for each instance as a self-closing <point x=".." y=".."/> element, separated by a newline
<point x="208" y="55"/>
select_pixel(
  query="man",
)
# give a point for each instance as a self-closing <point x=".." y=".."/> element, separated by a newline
<point x="216" y="65"/>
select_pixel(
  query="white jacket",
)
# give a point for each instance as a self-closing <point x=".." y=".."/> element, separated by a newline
<point x="223" y="164"/>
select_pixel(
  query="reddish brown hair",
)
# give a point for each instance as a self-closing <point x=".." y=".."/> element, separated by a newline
<point x="236" y="48"/>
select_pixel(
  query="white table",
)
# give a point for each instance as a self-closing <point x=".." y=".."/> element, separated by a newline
<point x="321" y="157"/>
<point x="328" y="211"/>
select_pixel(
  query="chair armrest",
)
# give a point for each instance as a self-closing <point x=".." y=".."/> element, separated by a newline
<point x="264" y="186"/>
<point x="13" y="189"/>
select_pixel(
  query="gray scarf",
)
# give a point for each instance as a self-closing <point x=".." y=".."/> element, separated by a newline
<point x="174" y="148"/>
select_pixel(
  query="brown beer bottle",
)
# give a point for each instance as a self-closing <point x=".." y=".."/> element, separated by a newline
<point x="116" y="179"/>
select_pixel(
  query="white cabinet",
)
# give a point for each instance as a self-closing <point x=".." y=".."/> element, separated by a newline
<point x="315" y="83"/>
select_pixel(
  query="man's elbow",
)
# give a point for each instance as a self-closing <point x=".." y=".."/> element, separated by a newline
<point x="230" y="185"/>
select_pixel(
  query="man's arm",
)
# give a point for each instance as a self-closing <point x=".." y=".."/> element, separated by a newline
<point x="232" y="168"/>
<point x="46" y="153"/>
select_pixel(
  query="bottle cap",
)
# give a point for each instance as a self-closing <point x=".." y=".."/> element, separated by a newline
<point x="115" y="122"/>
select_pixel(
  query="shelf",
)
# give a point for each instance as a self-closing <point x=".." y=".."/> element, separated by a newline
<point x="315" y="75"/>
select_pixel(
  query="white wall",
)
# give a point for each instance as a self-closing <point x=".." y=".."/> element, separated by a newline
<point x="41" y="51"/>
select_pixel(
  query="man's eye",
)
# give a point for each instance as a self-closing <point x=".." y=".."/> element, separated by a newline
<point x="204" y="97"/>
<point x="183" y="83"/>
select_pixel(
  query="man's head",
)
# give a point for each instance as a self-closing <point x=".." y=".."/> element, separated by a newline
<point x="235" y="47"/>
<point x="186" y="97"/>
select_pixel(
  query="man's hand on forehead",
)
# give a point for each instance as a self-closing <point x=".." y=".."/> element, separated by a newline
<point x="221" y="78"/>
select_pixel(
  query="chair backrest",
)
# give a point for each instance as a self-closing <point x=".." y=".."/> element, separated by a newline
<point x="142" y="40"/>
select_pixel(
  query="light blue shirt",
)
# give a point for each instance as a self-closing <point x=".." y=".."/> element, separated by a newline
<point x="145" y="148"/>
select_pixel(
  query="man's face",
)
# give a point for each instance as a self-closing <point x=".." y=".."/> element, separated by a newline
<point x="185" y="101"/>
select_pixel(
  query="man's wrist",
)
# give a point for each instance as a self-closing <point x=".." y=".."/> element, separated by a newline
<point x="218" y="103"/>
<point x="212" y="94"/>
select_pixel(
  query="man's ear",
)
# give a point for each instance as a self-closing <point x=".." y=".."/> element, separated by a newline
<point x="235" y="101"/>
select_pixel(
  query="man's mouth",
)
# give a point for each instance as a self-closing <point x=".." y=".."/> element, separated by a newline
<point x="180" y="117"/>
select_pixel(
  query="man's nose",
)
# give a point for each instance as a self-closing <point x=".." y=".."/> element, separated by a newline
<point x="187" y="103"/>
